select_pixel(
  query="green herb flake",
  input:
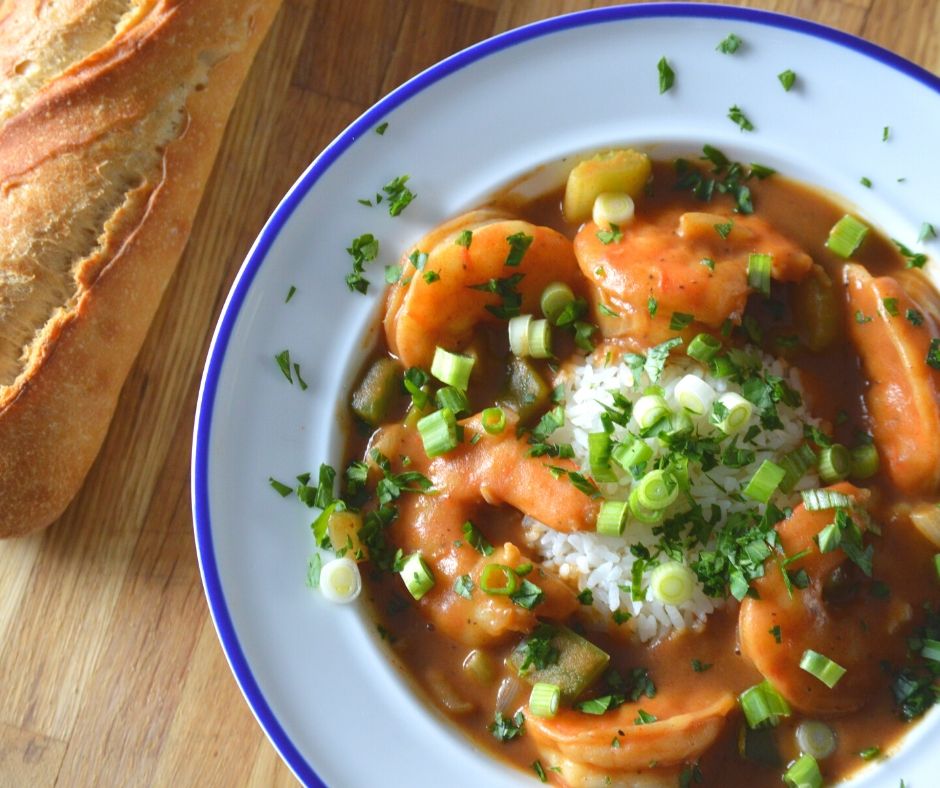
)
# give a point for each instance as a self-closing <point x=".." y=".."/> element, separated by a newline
<point x="510" y="299"/>
<point x="279" y="487"/>
<point x="539" y="771"/>
<point x="381" y="128"/>
<point x="476" y="540"/>
<point x="885" y="133"/>
<point x="586" y="597"/>
<point x="914" y="317"/>
<point x="866" y="182"/>
<point x="724" y="229"/>
<point x="644" y="717"/>
<point x="606" y="310"/>
<point x="363" y="249"/>
<point x="927" y="231"/>
<point x="914" y="259"/>
<point x="708" y="263"/>
<point x="300" y="380"/>
<point x="606" y="237"/>
<point x="398" y="194"/>
<point x="870" y="753"/>
<point x="430" y="277"/>
<point x="656" y="358"/>
<point x="730" y="45"/>
<point x="505" y="728"/>
<point x="464" y="586"/>
<point x="314" y="567"/>
<point x="775" y="631"/>
<point x="667" y="76"/>
<point x="528" y="595"/>
<point x="933" y="354"/>
<point x="519" y="244"/>
<point x="787" y="79"/>
<point x="680" y="321"/>
<point x="890" y="306"/>
<point x="392" y="274"/>
<point x="700" y="667"/>
<point x="620" y="617"/>
<point x="861" y="318"/>
<point x="290" y="294"/>
<point x="736" y="115"/>
<point x="464" y="239"/>
<point x="283" y="362"/>
<point x="651" y="306"/>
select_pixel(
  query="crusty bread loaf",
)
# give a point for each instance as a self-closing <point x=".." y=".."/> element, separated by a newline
<point x="111" y="114"/>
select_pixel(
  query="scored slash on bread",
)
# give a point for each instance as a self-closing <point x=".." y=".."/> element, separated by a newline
<point x="111" y="114"/>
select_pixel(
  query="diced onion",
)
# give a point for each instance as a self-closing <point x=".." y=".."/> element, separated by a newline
<point x="612" y="208"/>
<point x="763" y="484"/>
<point x="846" y="236"/>
<point x="519" y="335"/>
<point x="803" y="773"/>
<point x="738" y="412"/>
<point x="672" y="583"/>
<point x="417" y="576"/>
<point x="815" y="738"/>
<point x="544" y="699"/>
<point x="555" y="298"/>
<point x="763" y="705"/>
<point x="649" y="409"/>
<point x="823" y="668"/>
<point x="452" y="368"/>
<point x="340" y="580"/>
<point x="694" y="394"/>
<point x="612" y="518"/>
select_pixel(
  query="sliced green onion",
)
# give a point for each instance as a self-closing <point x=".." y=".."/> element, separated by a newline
<point x="803" y="773"/>
<point x="846" y="236"/>
<point x="544" y="699"/>
<point x="650" y="409"/>
<point x="680" y="424"/>
<point x="452" y="368"/>
<point x="823" y="668"/>
<point x="763" y="705"/>
<point x="554" y="299"/>
<point x="498" y="580"/>
<point x="438" y="432"/>
<point x="758" y="272"/>
<point x="634" y="454"/>
<point x="721" y="366"/>
<point x="612" y="518"/>
<point x="340" y="580"/>
<point x="930" y="650"/>
<point x="764" y="482"/>
<point x="493" y="420"/>
<point x="865" y="461"/>
<point x="612" y="208"/>
<point x="736" y="412"/>
<point x="672" y="583"/>
<point x="817" y="500"/>
<point x="694" y="394"/>
<point x="815" y="738"/>
<point x="936" y="564"/>
<point x="703" y="347"/>
<point x="656" y="490"/>
<point x="796" y="463"/>
<point x="417" y="576"/>
<point x="641" y="513"/>
<point x="452" y="399"/>
<point x="834" y="463"/>
<point x="829" y="538"/>
<point x="599" y="457"/>
<point x="519" y="335"/>
<point x="540" y="339"/>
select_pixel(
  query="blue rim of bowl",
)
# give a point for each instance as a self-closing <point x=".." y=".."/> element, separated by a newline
<point x="230" y="311"/>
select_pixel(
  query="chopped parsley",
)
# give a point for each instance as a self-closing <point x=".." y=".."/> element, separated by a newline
<point x="300" y="381"/>
<point x="620" y="617"/>
<point x="667" y="76"/>
<point x="392" y="485"/>
<point x="381" y="128"/>
<point x="891" y="306"/>
<point x="726" y="177"/>
<point x="933" y="353"/>
<point x="279" y="487"/>
<point x="519" y="244"/>
<point x="537" y="651"/>
<point x="606" y="310"/>
<point x="914" y="317"/>
<point x="363" y="249"/>
<point x="586" y="597"/>
<point x="464" y="239"/>
<point x="398" y="194"/>
<point x="644" y="717"/>
<point x="539" y="771"/>
<point x="775" y="631"/>
<point x="613" y="235"/>
<point x="290" y="294"/>
<point x="736" y="115"/>
<point x="510" y="301"/>
<point x="861" y="318"/>
<point x="708" y="263"/>
<point x="528" y="595"/>
<point x="730" y="45"/>
<point x="787" y="79"/>
<point x="505" y="728"/>
<point x="430" y="277"/>
<point x="680" y="321"/>
<point x="870" y="753"/>
<point x="885" y="133"/>
<point x="651" y="306"/>
<point x="914" y="259"/>
<point x="476" y="540"/>
<point x="464" y="586"/>
<point x="927" y="232"/>
<point x="283" y="362"/>
<point x="700" y="667"/>
<point x="656" y="357"/>
<point x="866" y="182"/>
<point x="724" y="229"/>
<point x="314" y="567"/>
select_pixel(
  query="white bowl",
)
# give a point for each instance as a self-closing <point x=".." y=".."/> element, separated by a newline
<point x="311" y="671"/>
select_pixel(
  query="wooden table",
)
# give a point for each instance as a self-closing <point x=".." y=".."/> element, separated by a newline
<point x="111" y="671"/>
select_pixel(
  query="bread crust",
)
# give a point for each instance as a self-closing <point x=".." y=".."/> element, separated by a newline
<point x="166" y="80"/>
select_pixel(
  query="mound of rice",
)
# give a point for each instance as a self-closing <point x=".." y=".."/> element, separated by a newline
<point x="605" y="564"/>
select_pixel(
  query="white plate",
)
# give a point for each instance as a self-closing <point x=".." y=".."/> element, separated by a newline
<point x="310" y="670"/>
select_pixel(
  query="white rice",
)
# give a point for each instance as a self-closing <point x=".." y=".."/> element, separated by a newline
<point x="604" y="564"/>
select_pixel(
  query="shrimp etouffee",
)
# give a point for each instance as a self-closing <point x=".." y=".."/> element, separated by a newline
<point x="643" y="482"/>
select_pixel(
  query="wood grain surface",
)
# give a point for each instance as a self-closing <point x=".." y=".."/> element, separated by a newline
<point x="110" y="671"/>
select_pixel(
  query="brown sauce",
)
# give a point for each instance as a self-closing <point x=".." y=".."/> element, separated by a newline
<point x="835" y="386"/>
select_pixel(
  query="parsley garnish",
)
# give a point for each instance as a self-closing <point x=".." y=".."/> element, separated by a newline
<point x="700" y="667"/>
<point x="586" y="597"/>
<point x="380" y="129"/>
<point x="314" y="566"/>
<point x="730" y="45"/>
<point x="927" y="232"/>
<point x="430" y="277"/>
<point x="606" y="310"/>
<point x="550" y="422"/>
<point x="787" y="78"/>
<point x="528" y="595"/>
<point x="666" y="75"/>
<point x="464" y="239"/>
<point x="644" y="717"/>
<point x="726" y="177"/>
<point x="464" y="586"/>
<point x="519" y="244"/>
<point x="475" y="539"/>
<point x="392" y="485"/>
<point x="613" y="235"/>
<point x="283" y="361"/>
<point x="300" y="381"/>
<point x="656" y="358"/>
<point x="398" y="194"/>
<point x="736" y="115"/>
<point x="363" y="249"/>
<point x="933" y="354"/>
<point x="651" y="306"/>
<point x="414" y="381"/>
<point x="537" y="651"/>
<point x="915" y="317"/>
<point x="724" y="229"/>
<point x="891" y="306"/>
<point x="870" y="753"/>
<point x="866" y="182"/>
<point x="510" y="299"/>
<point x="539" y="771"/>
<point x="290" y="294"/>
<point x="914" y="259"/>
<point x="885" y="133"/>
<point x="680" y="321"/>
<point x="775" y="631"/>
<point x="392" y="274"/>
<point x="861" y="318"/>
<point x="505" y="729"/>
<point x="279" y="487"/>
<point x="708" y="263"/>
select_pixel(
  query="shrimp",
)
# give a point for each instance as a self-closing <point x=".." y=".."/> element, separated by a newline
<point x="421" y="315"/>
<point x="687" y="725"/>
<point x="495" y="470"/>
<point x="805" y="620"/>
<point x="657" y="267"/>
<point x="904" y="396"/>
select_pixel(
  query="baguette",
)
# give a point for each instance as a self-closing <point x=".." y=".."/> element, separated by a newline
<point x="111" y="115"/>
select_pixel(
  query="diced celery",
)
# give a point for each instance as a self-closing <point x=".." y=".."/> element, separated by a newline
<point x="526" y="392"/>
<point x="580" y="663"/>
<point x="614" y="171"/>
<point x="373" y="396"/>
